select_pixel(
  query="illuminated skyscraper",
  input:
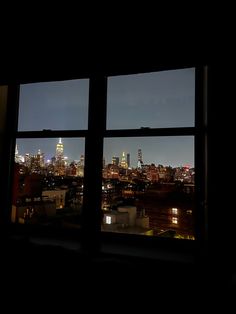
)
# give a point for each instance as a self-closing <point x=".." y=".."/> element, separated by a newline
<point x="18" y="158"/>
<point x="82" y="160"/>
<point x="123" y="163"/>
<point x="27" y="160"/>
<point x="16" y="150"/>
<point x="59" y="150"/>
<point x="60" y="162"/>
<point x="115" y="160"/>
<point x="40" y="156"/>
<point x="80" y="167"/>
<point x="16" y="154"/>
<point x="140" y="159"/>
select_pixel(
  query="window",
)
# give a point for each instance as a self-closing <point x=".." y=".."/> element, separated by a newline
<point x="175" y="211"/>
<point x="153" y="175"/>
<point x="155" y="100"/>
<point x="108" y="220"/>
<point x="54" y="105"/>
<point x="175" y="220"/>
<point x="114" y="154"/>
<point x="49" y="166"/>
<point x="150" y="146"/>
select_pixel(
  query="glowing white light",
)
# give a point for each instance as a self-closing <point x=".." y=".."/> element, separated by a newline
<point x="174" y="220"/>
<point x="108" y="220"/>
<point x="174" y="211"/>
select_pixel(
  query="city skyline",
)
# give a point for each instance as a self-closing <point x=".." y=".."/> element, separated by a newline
<point x="157" y="99"/>
<point x="158" y="147"/>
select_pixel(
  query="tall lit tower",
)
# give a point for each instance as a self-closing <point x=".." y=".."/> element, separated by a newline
<point x="18" y="158"/>
<point x="59" y="150"/>
<point x="123" y="162"/>
<point x="60" y="161"/>
<point x="16" y="154"/>
<point x="16" y="150"/>
<point x="140" y="158"/>
<point x="80" y="167"/>
<point x="40" y="157"/>
<point x="115" y="160"/>
<point x="81" y="160"/>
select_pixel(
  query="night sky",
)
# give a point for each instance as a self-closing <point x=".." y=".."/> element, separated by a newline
<point x="161" y="99"/>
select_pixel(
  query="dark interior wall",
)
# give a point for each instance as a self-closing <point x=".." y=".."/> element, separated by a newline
<point x="3" y="106"/>
<point x="3" y="136"/>
<point x="81" y="66"/>
<point x="221" y="167"/>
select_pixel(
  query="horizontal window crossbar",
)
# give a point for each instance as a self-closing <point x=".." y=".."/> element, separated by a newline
<point x="145" y="131"/>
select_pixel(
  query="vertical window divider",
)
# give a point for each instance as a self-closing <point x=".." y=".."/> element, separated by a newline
<point x="91" y="216"/>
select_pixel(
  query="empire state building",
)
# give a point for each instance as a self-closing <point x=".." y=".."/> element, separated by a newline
<point x="59" y="150"/>
<point x="60" y="162"/>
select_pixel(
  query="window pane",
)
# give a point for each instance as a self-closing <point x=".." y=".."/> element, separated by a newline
<point x="156" y="100"/>
<point x="48" y="182"/>
<point x="148" y="186"/>
<point x="54" y="105"/>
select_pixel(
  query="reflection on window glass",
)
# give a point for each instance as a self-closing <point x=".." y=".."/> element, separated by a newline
<point x="148" y="186"/>
<point x="48" y="182"/>
<point x="155" y="100"/>
<point x="54" y="105"/>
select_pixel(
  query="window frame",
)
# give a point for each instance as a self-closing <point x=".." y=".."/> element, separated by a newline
<point x="199" y="133"/>
<point x="91" y="236"/>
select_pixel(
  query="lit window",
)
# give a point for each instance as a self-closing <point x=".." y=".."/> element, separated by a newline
<point x="174" y="211"/>
<point x="108" y="220"/>
<point x="174" y="220"/>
